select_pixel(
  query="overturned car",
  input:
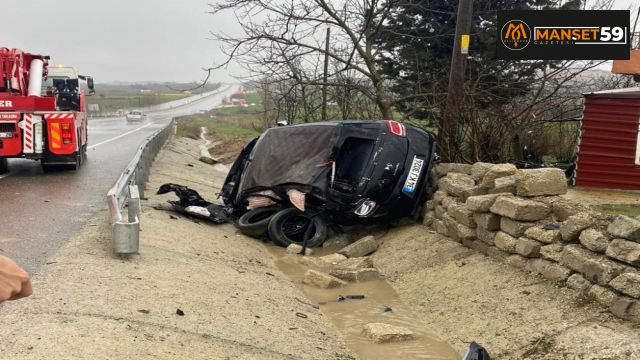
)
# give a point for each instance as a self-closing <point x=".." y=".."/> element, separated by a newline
<point x="292" y="182"/>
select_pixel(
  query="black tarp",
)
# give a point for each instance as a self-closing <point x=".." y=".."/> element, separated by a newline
<point x="290" y="154"/>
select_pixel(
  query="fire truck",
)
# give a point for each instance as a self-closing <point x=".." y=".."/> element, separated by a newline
<point x="42" y="111"/>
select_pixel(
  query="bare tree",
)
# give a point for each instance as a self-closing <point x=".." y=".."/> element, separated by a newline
<point x="277" y="34"/>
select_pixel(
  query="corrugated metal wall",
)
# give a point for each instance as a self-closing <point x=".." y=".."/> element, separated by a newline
<point x="607" y="152"/>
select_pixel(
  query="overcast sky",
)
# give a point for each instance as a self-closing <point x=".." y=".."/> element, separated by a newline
<point x="127" y="40"/>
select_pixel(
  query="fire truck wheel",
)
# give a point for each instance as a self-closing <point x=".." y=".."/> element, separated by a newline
<point x="78" y="163"/>
<point x="4" y="166"/>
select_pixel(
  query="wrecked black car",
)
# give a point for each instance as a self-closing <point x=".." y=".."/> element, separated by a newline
<point x="292" y="181"/>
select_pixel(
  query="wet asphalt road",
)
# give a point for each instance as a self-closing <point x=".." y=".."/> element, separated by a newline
<point x="40" y="211"/>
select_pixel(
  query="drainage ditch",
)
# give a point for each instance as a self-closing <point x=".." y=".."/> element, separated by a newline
<point x="380" y="304"/>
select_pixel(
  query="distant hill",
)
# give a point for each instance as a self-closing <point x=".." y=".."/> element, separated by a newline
<point x="121" y="88"/>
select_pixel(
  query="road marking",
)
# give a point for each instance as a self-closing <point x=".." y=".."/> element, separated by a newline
<point x="119" y="136"/>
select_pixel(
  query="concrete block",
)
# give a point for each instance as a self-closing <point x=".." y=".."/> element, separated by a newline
<point x="536" y="182"/>
<point x="627" y="283"/>
<point x="579" y="283"/>
<point x="463" y="215"/>
<point x="520" y="209"/>
<point x="485" y="235"/>
<point x="516" y="261"/>
<point x="623" y="250"/>
<point x="552" y="252"/>
<point x="356" y="275"/>
<point x="381" y="333"/>
<point x="602" y="295"/>
<point x="488" y="221"/>
<point x="544" y="236"/>
<point x="548" y="269"/>
<point x="481" y="203"/>
<point x="625" y="227"/>
<point x="594" y="268"/>
<point x="455" y="183"/>
<point x="322" y="280"/>
<point x="594" y="240"/>
<point x="441" y="228"/>
<point x="497" y="171"/>
<point x="626" y="308"/>
<point x="362" y="247"/>
<point x="505" y="242"/>
<point x="479" y="170"/>
<point x="528" y="248"/>
<point x="513" y="227"/>
<point x="504" y="185"/>
<point x="573" y="226"/>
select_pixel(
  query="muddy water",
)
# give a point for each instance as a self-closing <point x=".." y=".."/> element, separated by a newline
<point x="381" y="304"/>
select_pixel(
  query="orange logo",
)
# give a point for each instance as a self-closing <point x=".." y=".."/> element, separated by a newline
<point x="515" y="34"/>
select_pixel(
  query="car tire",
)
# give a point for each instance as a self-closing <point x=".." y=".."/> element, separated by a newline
<point x="254" y="223"/>
<point x="288" y="227"/>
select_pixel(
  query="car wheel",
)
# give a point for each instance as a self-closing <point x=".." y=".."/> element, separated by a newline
<point x="289" y="226"/>
<point x="254" y="223"/>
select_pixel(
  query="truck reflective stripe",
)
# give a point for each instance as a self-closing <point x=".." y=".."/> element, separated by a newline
<point x="55" y="136"/>
<point x="28" y="134"/>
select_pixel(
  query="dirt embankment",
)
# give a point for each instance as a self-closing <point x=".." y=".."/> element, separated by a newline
<point x="235" y="303"/>
<point x="465" y="296"/>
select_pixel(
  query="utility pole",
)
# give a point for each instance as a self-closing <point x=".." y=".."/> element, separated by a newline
<point x="324" y="76"/>
<point x="448" y="127"/>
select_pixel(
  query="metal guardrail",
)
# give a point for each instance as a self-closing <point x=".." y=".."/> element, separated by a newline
<point x="129" y="189"/>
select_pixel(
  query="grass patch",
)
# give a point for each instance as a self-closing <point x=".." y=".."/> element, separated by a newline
<point x="631" y="210"/>
<point x="232" y="131"/>
<point x="189" y="126"/>
<point x="115" y="103"/>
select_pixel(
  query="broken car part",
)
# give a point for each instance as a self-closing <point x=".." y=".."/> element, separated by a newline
<point x="191" y="203"/>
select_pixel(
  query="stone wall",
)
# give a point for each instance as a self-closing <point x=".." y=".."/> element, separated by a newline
<point x="520" y="217"/>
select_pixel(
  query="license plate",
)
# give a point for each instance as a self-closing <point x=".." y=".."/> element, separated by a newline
<point x="5" y="135"/>
<point x="414" y="174"/>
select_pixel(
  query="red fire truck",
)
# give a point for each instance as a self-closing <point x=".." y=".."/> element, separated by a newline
<point x="42" y="111"/>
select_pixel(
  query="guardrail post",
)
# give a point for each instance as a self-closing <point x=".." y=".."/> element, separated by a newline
<point x="134" y="204"/>
<point x="126" y="236"/>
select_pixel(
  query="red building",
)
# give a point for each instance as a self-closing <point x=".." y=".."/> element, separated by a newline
<point x="609" y="153"/>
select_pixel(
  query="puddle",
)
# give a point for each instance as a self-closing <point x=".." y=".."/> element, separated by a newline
<point x="349" y="316"/>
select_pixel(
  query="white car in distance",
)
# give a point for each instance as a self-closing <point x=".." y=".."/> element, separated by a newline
<point x="136" y="115"/>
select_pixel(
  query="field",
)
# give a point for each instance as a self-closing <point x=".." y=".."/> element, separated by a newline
<point x="120" y="102"/>
<point x="233" y="126"/>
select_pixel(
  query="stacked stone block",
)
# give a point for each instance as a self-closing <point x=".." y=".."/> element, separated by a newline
<point x="520" y="217"/>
